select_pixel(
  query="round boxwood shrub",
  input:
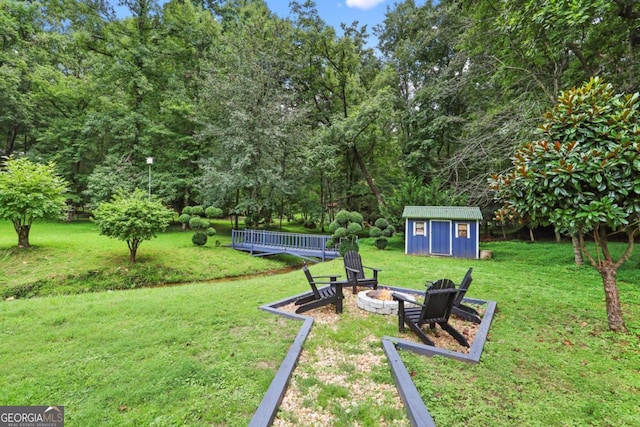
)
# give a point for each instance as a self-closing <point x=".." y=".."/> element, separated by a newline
<point x="354" y="228"/>
<point x="212" y="212"/>
<point x="199" y="238"/>
<point x="197" y="210"/>
<point x="375" y="232"/>
<point x="198" y="223"/>
<point x="211" y="231"/>
<point x="381" y="242"/>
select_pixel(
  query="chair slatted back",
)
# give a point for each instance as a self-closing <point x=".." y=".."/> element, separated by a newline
<point x="464" y="286"/>
<point x="352" y="259"/>
<point x="438" y="301"/>
<point x="312" y="283"/>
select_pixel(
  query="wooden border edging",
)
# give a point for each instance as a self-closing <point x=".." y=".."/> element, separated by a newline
<point x="416" y="410"/>
<point x="266" y="412"/>
<point x="476" y="348"/>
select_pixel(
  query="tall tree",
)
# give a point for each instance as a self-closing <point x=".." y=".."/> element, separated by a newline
<point x="434" y="88"/>
<point x="23" y="50"/>
<point x="338" y="76"/>
<point x="252" y="116"/>
<point x="583" y="176"/>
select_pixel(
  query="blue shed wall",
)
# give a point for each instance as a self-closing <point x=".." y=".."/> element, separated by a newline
<point x="435" y="242"/>
<point x="418" y="245"/>
<point x="466" y="247"/>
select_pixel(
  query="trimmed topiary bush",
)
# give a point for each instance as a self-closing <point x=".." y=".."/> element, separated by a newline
<point x="381" y="231"/>
<point x="193" y="217"/>
<point x="344" y="230"/>
<point x="199" y="238"/>
<point x="212" y="212"/>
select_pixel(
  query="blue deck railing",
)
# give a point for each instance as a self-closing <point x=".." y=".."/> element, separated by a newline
<point x="278" y="242"/>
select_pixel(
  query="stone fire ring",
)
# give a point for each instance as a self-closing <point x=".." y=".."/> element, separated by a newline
<point x="369" y="300"/>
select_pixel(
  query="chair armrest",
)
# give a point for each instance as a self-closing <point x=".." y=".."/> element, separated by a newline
<point x="400" y="297"/>
<point x="352" y="273"/>
<point x="372" y="268"/>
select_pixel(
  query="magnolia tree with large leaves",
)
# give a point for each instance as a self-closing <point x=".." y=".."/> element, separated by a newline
<point x="582" y="177"/>
<point x="29" y="192"/>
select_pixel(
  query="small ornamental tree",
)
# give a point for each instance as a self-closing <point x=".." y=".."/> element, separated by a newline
<point x="381" y="231"/>
<point x="198" y="219"/>
<point x="29" y="192"/>
<point x="582" y="177"/>
<point x="132" y="217"/>
<point x="345" y="229"/>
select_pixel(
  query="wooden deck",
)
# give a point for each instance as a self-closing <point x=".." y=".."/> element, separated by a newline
<point x="262" y="243"/>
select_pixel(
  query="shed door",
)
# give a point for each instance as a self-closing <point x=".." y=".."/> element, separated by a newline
<point x="440" y="237"/>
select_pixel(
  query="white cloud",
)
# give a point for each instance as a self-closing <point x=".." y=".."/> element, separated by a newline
<point x="363" y="4"/>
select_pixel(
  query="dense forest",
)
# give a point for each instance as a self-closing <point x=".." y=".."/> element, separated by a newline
<point x="264" y="116"/>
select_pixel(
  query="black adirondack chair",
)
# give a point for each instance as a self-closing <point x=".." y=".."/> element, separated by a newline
<point x="438" y="302"/>
<point x="329" y="294"/>
<point x="355" y="271"/>
<point x="463" y="311"/>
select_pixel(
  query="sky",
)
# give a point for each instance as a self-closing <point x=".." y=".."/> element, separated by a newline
<point x="334" y="12"/>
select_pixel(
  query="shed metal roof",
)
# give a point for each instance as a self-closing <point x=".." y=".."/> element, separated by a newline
<point x="443" y="212"/>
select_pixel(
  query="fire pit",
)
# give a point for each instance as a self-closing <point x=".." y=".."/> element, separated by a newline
<point x="379" y="301"/>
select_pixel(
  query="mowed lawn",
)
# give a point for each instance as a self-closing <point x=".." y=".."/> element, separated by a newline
<point x="203" y="354"/>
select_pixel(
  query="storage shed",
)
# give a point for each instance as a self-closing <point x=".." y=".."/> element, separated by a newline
<point x="442" y="230"/>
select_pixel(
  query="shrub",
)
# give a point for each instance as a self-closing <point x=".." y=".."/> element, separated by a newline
<point x="198" y="223"/>
<point x="193" y="216"/>
<point x="381" y="231"/>
<point x="345" y="229"/>
<point x="381" y="243"/>
<point x="212" y="212"/>
<point x="199" y="238"/>
<point x="375" y="232"/>
<point x="132" y="217"/>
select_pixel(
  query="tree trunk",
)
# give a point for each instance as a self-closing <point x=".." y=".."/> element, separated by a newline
<point x="133" y="249"/>
<point x="368" y="178"/>
<point x="577" y="251"/>
<point x="11" y="141"/>
<point x="531" y="236"/>
<point x="558" y="237"/>
<point x="236" y="207"/>
<point x="612" y="297"/>
<point x="23" y="236"/>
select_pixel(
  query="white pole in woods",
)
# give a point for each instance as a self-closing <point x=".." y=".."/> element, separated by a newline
<point x="149" y="162"/>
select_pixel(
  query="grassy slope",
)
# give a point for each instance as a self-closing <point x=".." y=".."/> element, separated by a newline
<point x="203" y="354"/>
<point x="67" y="258"/>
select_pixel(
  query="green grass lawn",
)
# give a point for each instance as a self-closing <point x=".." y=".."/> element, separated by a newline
<point x="71" y="258"/>
<point x="203" y="354"/>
